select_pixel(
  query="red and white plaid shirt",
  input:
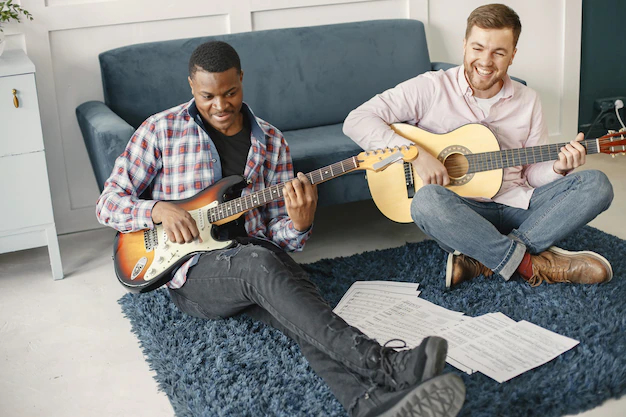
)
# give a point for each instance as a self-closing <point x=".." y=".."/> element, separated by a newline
<point x="176" y="156"/>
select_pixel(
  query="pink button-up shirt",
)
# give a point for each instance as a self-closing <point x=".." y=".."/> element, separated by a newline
<point x="441" y="101"/>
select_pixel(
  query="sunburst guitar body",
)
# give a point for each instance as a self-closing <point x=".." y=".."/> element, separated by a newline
<point x="144" y="260"/>
<point x="472" y="157"/>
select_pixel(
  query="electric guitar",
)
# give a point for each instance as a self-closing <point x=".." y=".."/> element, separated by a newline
<point x="144" y="260"/>
<point x="473" y="159"/>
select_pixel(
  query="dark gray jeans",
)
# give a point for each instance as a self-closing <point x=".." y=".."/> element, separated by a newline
<point x="259" y="279"/>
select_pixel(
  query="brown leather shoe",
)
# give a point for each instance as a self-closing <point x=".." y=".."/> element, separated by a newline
<point x="462" y="268"/>
<point x="559" y="265"/>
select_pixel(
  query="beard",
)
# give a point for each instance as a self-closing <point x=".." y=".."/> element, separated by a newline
<point x="476" y="82"/>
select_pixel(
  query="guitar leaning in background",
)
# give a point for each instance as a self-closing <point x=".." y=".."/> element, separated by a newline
<point x="517" y="204"/>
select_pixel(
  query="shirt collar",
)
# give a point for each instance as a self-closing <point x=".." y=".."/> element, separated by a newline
<point x="466" y="90"/>
<point x="257" y="131"/>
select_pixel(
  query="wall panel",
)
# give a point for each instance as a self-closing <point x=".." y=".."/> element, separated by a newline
<point x="76" y="61"/>
<point x="328" y="14"/>
<point x="67" y="35"/>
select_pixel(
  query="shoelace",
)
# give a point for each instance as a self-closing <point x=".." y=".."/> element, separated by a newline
<point x="541" y="276"/>
<point x="385" y="361"/>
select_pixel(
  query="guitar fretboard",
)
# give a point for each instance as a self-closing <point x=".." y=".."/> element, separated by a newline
<point x="506" y="158"/>
<point x="275" y="192"/>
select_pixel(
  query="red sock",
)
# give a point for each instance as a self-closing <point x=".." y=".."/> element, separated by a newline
<point x="525" y="268"/>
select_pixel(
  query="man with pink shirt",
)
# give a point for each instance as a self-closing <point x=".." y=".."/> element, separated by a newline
<point x="537" y="204"/>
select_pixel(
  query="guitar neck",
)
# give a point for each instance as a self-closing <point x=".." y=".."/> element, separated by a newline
<point x="506" y="158"/>
<point x="259" y="198"/>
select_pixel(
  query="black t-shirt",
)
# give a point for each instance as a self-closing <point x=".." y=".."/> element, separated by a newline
<point x="233" y="151"/>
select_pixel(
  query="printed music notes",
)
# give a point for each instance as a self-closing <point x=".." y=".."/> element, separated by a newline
<point x="492" y="344"/>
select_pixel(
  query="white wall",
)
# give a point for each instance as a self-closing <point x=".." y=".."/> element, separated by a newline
<point x="66" y="37"/>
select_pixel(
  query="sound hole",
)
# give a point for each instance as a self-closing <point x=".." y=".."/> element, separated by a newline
<point x="457" y="166"/>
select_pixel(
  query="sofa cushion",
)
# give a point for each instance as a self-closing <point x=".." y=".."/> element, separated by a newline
<point x="317" y="147"/>
<point x="321" y="146"/>
<point x="294" y="78"/>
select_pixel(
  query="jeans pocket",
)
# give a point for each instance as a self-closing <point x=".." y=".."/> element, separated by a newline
<point x="189" y="307"/>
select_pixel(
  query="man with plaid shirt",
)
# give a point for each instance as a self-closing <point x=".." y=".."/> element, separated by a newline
<point x="183" y="150"/>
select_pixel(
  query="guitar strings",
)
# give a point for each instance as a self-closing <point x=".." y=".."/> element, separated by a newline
<point x="494" y="160"/>
<point x="510" y="157"/>
<point x="275" y="192"/>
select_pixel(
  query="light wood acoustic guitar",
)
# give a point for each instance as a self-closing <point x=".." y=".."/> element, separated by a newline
<point x="473" y="159"/>
<point x="144" y="260"/>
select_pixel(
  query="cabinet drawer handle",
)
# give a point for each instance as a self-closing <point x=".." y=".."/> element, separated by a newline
<point x="16" y="101"/>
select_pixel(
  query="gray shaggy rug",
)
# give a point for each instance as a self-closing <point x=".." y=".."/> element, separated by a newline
<point x="237" y="367"/>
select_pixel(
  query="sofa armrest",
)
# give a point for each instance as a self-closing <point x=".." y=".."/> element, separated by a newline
<point x="436" y="66"/>
<point x="519" y="80"/>
<point x="105" y="135"/>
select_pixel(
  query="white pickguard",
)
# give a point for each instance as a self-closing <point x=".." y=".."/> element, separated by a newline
<point x="167" y="253"/>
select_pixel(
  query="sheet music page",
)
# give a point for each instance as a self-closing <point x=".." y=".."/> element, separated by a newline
<point x="460" y="366"/>
<point x="470" y="329"/>
<point x="513" y="350"/>
<point x="408" y="320"/>
<point x="365" y="298"/>
<point x="493" y="343"/>
<point x="395" y="286"/>
<point x="474" y="328"/>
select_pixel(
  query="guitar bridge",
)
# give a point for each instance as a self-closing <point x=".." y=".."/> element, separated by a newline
<point x="408" y="176"/>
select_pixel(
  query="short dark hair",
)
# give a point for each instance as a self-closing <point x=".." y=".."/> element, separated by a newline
<point x="495" y="16"/>
<point x="214" y="56"/>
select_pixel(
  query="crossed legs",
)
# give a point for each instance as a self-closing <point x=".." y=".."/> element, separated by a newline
<point x="499" y="236"/>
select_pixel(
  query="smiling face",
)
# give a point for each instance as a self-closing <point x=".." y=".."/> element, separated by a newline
<point x="488" y="53"/>
<point x="219" y="97"/>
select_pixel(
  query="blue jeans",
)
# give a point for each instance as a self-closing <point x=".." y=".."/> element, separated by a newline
<point x="497" y="235"/>
<point x="259" y="279"/>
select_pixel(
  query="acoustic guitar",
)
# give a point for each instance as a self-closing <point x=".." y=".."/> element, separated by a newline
<point x="144" y="260"/>
<point x="473" y="159"/>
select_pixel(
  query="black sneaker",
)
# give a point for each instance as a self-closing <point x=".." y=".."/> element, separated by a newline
<point x="442" y="396"/>
<point x="399" y="370"/>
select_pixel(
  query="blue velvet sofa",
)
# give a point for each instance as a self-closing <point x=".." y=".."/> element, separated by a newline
<point x="304" y="81"/>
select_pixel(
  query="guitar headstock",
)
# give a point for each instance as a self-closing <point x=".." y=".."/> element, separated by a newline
<point x="379" y="159"/>
<point x="613" y="143"/>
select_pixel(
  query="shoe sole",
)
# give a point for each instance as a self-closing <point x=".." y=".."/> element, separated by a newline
<point x="442" y="396"/>
<point x="449" y="268"/>
<point x="597" y="256"/>
<point x="436" y="352"/>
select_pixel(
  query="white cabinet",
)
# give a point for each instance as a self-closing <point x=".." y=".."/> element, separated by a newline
<point x="26" y="219"/>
